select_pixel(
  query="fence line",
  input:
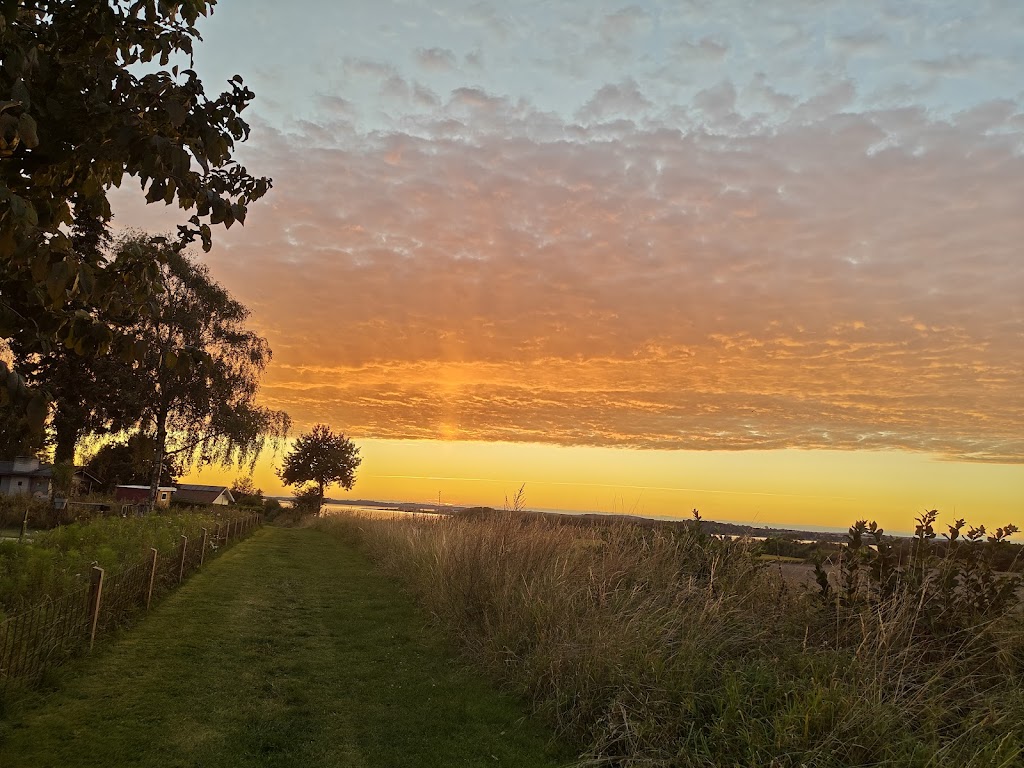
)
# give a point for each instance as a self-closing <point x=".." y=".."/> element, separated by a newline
<point x="60" y="628"/>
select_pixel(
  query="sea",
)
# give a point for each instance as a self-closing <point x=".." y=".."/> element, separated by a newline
<point x="387" y="509"/>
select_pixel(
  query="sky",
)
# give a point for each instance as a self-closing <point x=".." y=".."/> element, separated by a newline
<point x="763" y="259"/>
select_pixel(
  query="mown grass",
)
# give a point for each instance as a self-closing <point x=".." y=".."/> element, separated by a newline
<point x="288" y="650"/>
<point x="650" y="647"/>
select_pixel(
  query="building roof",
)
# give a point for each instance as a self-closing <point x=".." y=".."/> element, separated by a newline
<point x="146" y="487"/>
<point x="43" y="470"/>
<point x="86" y="473"/>
<point x="202" y="494"/>
<point x="7" y="468"/>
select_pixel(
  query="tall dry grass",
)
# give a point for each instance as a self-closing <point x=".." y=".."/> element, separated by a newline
<point x="659" y="647"/>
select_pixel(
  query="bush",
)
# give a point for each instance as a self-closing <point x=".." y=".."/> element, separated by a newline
<point x="271" y="509"/>
<point x="59" y="560"/>
<point x="41" y="513"/>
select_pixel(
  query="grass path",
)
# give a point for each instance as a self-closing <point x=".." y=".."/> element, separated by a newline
<point x="286" y="651"/>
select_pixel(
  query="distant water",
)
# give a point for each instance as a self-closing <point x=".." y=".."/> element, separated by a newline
<point x="373" y="511"/>
<point x="751" y="523"/>
<point x="384" y="509"/>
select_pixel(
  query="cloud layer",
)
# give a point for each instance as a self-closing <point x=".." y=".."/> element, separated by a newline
<point x="754" y="267"/>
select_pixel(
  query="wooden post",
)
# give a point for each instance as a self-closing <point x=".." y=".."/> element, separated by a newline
<point x="24" y="526"/>
<point x="216" y="535"/>
<point x="227" y="536"/>
<point x="95" y="598"/>
<point x="202" y="552"/>
<point x="152" y="577"/>
<point x="181" y="563"/>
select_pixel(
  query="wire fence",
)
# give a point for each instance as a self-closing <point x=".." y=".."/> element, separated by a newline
<point x="59" y="629"/>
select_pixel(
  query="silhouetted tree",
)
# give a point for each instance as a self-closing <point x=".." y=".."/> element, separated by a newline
<point x="321" y="458"/>
<point x="130" y="462"/>
<point x="91" y="394"/>
<point x="200" y="372"/>
<point x="87" y="98"/>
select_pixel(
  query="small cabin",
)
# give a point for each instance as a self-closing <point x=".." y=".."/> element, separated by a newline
<point x="139" y="494"/>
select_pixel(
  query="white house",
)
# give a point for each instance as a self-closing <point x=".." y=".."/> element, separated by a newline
<point x="26" y="476"/>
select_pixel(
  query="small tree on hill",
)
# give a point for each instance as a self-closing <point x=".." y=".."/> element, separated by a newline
<point x="322" y="458"/>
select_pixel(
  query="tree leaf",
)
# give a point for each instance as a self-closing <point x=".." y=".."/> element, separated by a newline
<point x="27" y="130"/>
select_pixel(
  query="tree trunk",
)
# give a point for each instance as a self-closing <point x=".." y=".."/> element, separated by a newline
<point x="66" y="438"/>
<point x="159" y="453"/>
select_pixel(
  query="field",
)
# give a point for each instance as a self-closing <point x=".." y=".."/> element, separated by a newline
<point x="378" y="641"/>
<point x="651" y="647"/>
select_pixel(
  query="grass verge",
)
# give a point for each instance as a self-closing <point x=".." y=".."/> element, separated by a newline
<point x="286" y="651"/>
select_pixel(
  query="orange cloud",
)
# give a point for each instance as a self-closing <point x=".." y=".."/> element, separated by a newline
<point x="493" y="273"/>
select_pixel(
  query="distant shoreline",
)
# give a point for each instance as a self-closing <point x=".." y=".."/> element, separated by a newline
<point x="725" y="528"/>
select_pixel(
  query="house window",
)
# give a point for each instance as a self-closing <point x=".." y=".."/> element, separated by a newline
<point x="19" y="483"/>
<point x="163" y="497"/>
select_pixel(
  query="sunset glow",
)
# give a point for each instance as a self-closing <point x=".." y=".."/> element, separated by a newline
<point x="760" y="259"/>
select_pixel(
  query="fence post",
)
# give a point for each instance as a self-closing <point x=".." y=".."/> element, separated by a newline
<point x="202" y="552"/>
<point x="152" y="577"/>
<point x="181" y="563"/>
<point x="95" y="597"/>
<point x="216" y="535"/>
<point x="227" y="536"/>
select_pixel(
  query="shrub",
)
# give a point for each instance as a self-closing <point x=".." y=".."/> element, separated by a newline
<point x="41" y="513"/>
<point x="58" y="560"/>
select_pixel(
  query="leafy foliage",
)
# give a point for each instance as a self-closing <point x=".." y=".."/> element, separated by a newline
<point x="200" y="371"/>
<point x="18" y="435"/>
<point x="91" y="393"/>
<point x="130" y="462"/>
<point x="246" y="494"/>
<point x="88" y="97"/>
<point x="955" y="582"/>
<point x="322" y="458"/>
<point x="308" y="500"/>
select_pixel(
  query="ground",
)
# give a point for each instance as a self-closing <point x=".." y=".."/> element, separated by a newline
<point x="289" y="650"/>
